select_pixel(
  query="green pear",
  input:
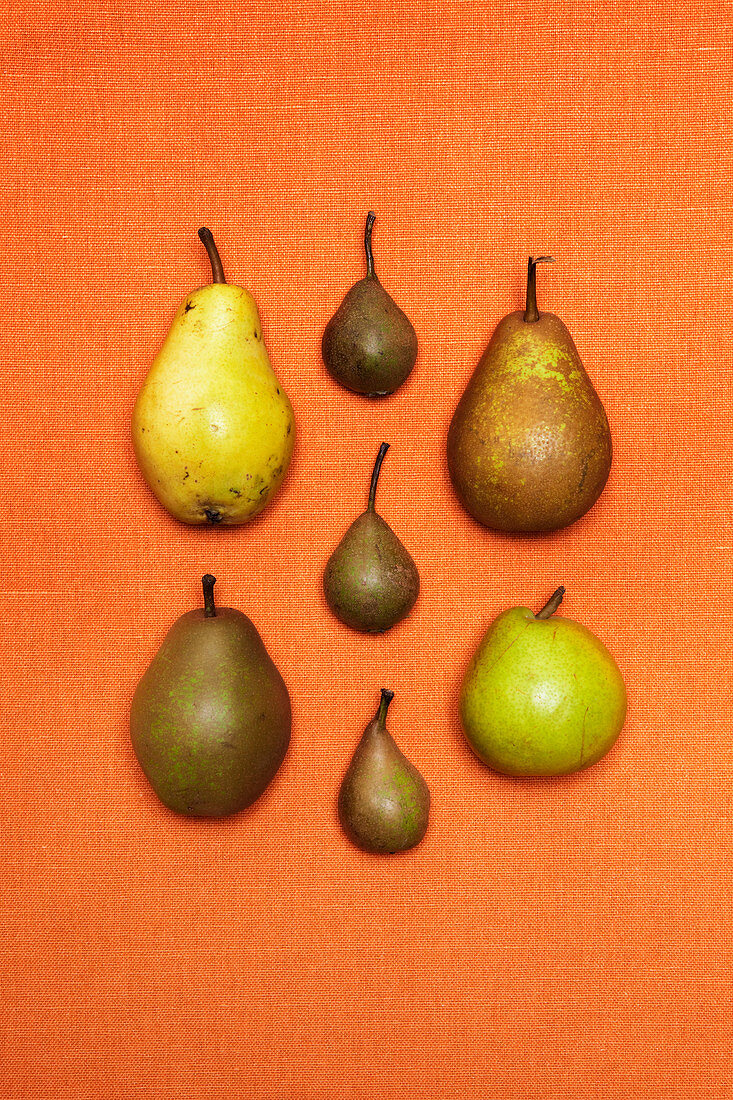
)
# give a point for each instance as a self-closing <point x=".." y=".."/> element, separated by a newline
<point x="212" y="428"/>
<point x="542" y="695"/>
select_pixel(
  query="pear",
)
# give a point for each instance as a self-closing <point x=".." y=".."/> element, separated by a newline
<point x="529" y="447"/>
<point x="369" y="345"/>
<point x="542" y="695"/>
<point x="212" y="428"/>
<point x="383" y="801"/>
<point x="370" y="581"/>
<point x="210" y="721"/>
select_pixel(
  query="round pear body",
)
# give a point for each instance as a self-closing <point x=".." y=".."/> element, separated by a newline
<point x="529" y="446"/>
<point x="384" y="802"/>
<point x="541" y="697"/>
<point x="369" y="345"/>
<point x="212" y="428"/>
<point x="210" y="721"/>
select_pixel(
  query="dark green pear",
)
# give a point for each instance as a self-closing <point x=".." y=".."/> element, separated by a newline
<point x="210" y="720"/>
<point x="529" y="447"/>
<point x="370" y="581"/>
<point x="369" y="345"/>
<point x="384" y="802"/>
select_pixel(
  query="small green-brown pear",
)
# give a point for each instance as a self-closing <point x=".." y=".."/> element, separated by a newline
<point x="529" y="447"/>
<point x="384" y="802"/>
<point x="210" y="721"/>
<point x="371" y="581"/>
<point x="369" y="345"/>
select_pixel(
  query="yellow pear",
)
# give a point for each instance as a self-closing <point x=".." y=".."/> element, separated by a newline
<point x="213" y="429"/>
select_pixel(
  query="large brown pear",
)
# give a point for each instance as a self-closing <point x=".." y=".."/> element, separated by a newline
<point x="210" y="721"/>
<point x="529" y="447"/>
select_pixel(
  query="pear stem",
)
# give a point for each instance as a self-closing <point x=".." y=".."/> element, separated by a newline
<point x="208" y="583"/>
<point x="375" y="475"/>
<point x="531" y="313"/>
<point x="207" y="239"/>
<point x="387" y="697"/>
<point x="552" y="604"/>
<point x="371" y="218"/>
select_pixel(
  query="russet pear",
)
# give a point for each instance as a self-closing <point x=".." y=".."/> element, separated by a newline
<point x="529" y="447"/>
<point x="212" y="428"/>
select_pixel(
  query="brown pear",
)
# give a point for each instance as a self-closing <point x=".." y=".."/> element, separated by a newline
<point x="370" y="581"/>
<point x="210" y="721"/>
<point x="529" y="447"/>
<point x="369" y="345"/>
<point x="384" y="802"/>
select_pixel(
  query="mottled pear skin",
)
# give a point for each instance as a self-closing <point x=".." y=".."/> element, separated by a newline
<point x="369" y="345"/>
<point x="384" y="802"/>
<point x="371" y="581"/>
<point x="529" y="446"/>
<point x="212" y="428"/>
<point x="541" y="697"/>
<point x="210" y="721"/>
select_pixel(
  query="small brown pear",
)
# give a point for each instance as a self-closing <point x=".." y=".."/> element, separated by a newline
<point x="370" y="581"/>
<point x="529" y="447"/>
<point x="369" y="345"/>
<point x="384" y="802"/>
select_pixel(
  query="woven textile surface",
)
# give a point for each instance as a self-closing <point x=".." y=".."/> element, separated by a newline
<point x="549" y="939"/>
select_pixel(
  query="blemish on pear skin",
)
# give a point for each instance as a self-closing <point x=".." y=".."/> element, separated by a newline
<point x="189" y="306"/>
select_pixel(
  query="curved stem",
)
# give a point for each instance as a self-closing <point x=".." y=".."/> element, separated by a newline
<point x="531" y="313"/>
<point x="208" y="583"/>
<point x="375" y="475"/>
<point x="207" y="239"/>
<point x="371" y="218"/>
<point x="552" y="604"/>
<point x="387" y="697"/>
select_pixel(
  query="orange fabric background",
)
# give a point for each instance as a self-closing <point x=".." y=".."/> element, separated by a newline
<point x="556" y="939"/>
